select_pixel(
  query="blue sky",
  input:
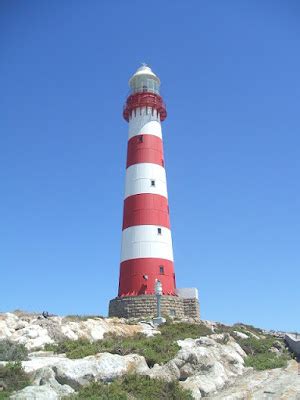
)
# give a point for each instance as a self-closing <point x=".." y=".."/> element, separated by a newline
<point x="230" y="78"/>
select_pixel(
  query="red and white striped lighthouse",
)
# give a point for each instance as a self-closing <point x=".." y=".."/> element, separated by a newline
<point x="146" y="253"/>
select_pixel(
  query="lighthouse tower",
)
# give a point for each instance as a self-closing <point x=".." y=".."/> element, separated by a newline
<point x="147" y="251"/>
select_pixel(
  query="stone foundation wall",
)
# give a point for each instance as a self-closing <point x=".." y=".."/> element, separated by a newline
<point x="145" y="306"/>
<point x="191" y="308"/>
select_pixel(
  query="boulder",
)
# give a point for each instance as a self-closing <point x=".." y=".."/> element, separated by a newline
<point x="241" y="335"/>
<point x="103" y="366"/>
<point x="279" y="384"/>
<point x="36" y="393"/>
<point x="203" y="365"/>
<point x="34" y="331"/>
<point x="74" y="373"/>
<point x="207" y="364"/>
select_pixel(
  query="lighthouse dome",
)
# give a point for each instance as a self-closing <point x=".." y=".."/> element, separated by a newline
<point x="144" y="80"/>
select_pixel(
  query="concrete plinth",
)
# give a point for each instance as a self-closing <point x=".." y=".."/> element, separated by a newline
<point x="145" y="306"/>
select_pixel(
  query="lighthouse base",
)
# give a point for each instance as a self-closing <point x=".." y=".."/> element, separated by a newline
<point x="145" y="306"/>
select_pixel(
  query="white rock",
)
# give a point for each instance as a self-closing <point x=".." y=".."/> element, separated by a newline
<point x="5" y="332"/>
<point x="253" y="335"/>
<point x="46" y="376"/>
<point x="34" y="331"/>
<point x="241" y="335"/>
<point x="209" y="363"/>
<point x="36" y="393"/>
<point x="32" y="336"/>
<point x="11" y="320"/>
<point x="103" y="366"/>
<point x="280" y="383"/>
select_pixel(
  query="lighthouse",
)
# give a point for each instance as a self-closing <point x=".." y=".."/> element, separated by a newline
<point x="146" y="248"/>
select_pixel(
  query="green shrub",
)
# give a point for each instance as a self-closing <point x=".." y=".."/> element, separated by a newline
<point x="244" y="328"/>
<point x="250" y="328"/>
<point x="183" y="330"/>
<point x="259" y="355"/>
<point x="76" y="317"/>
<point x="253" y="346"/>
<point x="12" y="377"/>
<point x="10" y="351"/>
<point x="157" y="349"/>
<point x="133" y="387"/>
<point x="268" y="360"/>
<point x="100" y="391"/>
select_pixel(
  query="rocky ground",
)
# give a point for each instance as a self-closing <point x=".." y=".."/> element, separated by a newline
<point x="211" y="366"/>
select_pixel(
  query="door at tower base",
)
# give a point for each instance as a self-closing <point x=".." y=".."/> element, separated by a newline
<point x="146" y="306"/>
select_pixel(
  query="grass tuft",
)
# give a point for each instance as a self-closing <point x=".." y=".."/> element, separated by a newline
<point x="158" y="349"/>
<point x="10" y="351"/>
<point x="12" y="377"/>
<point x="133" y="387"/>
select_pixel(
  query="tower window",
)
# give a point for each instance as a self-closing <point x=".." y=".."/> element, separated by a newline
<point x="152" y="182"/>
<point x="141" y="138"/>
<point x="161" y="270"/>
<point x="159" y="231"/>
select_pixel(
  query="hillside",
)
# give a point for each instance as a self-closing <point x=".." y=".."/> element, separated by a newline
<point x="82" y="357"/>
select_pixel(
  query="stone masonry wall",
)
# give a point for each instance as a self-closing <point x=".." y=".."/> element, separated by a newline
<point x="145" y="306"/>
<point x="191" y="308"/>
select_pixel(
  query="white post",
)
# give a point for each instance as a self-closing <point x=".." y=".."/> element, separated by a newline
<point x="158" y="293"/>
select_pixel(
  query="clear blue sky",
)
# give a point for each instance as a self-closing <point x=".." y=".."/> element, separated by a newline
<point x="230" y="74"/>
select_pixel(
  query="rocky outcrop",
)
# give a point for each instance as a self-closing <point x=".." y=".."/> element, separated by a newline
<point x="34" y="331"/>
<point x="272" y="384"/>
<point x="36" y="393"/>
<point x="210" y="366"/>
<point x="75" y="373"/>
<point x="58" y="376"/>
<point x="203" y="365"/>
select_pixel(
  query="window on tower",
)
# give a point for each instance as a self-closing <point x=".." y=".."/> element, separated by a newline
<point x="161" y="270"/>
<point x="141" y="138"/>
<point x="152" y="182"/>
<point x="159" y="231"/>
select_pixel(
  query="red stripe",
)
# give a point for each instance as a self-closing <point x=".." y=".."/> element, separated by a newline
<point x="133" y="274"/>
<point x="145" y="99"/>
<point x="146" y="209"/>
<point x="145" y="149"/>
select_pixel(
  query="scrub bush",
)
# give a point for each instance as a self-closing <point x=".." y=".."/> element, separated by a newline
<point x="133" y="387"/>
<point x="157" y="349"/>
<point x="10" y="351"/>
<point x="12" y="377"/>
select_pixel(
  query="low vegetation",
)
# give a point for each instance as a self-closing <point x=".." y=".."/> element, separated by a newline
<point x="78" y="318"/>
<point x="12" y="377"/>
<point x="133" y="387"/>
<point x="157" y="349"/>
<point x="258" y="347"/>
<point x="260" y="355"/>
<point x="10" y="351"/>
<point x="162" y="348"/>
<point x="267" y="360"/>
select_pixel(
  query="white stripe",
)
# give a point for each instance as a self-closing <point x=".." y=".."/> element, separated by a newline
<point x="143" y="241"/>
<point x="143" y="122"/>
<point x="139" y="176"/>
